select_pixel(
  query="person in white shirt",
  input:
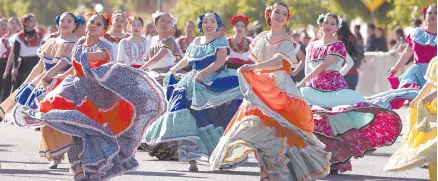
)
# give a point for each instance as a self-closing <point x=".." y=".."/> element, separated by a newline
<point x="134" y="50"/>
<point x="116" y="34"/>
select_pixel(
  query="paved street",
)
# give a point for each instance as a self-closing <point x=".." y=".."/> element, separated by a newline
<point x="20" y="161"/>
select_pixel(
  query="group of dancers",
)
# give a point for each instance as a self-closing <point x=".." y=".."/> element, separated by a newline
<point x="210" y="99"/>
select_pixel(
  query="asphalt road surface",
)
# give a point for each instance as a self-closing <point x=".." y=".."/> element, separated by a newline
<point x="20" y="161"/>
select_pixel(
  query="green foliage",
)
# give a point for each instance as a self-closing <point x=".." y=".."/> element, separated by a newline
<point x="405" y="11"/>
<point x="45" y="11"/>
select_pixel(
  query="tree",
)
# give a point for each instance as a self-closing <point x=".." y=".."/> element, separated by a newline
<point x="405" y="11"/>
<point x="44" y="10"/>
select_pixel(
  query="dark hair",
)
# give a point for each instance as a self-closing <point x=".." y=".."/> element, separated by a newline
<point x="118" y="12"/>
<point x="26" y="18"/>
<point x="400" y="32"/>
<point x="418" y="22"/>
<point x="372" y="26"/>
<point x="131" y="20"/>
<point x="344" y="33"/>
<point x="268" y="21"/>
<point x="105" y="21"/>
<point x="392" y="42"/>
<point x="380" y="29"/>
<point x="333" y="15"/>
<point x="356" y="26"/>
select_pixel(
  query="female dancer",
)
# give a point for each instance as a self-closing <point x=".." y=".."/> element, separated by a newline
<point x="134" y="49"/>
<point x="55" y="58"/>
<point x="80" y="30"/>
<point x="184" y="41"/>
<point x="102" y="106"/>
<point x="164" y="52"/>
<point x="5" y="61"/>
<point x="239" y="43"/>
<point x="203" y="102"/>
<point x="26" y="46"/>
<point x="116" y="34"/>
<point x="274" y="122"/>
<point x="344" y="121"/>
<point x="419" y="146"/>
<point x="422" y="44"/>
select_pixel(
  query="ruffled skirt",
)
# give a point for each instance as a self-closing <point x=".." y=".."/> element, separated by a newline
<point x="197" y="114"/>
<point x="275" y="124"/>
<point x="345" y="122"/>
<point x="106" y="114"/>
<point x="418" y="147"/>
<point x="410" y="84"/>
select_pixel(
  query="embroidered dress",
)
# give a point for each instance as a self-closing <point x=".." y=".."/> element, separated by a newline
<point x="114" y="42"/>
<point x="133" y="54"/>
<point x="239" y="54"/>
<point x="173" y="54"/>
<point x="274" y="121"/>
<point x="197" y="113"/>
<point x="104" y="106"/>
<point x="344" y="121"/>
<point x="53" y="143"/>
<point x="424" y="45"/>
<point x="419" y="146"/>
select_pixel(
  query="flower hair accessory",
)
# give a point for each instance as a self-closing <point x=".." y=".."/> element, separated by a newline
<point x="57" y="19"/>
<point x="79" y="20"/>
<point x="105" y="15"/>
<point x="424" y="11"/>
<point x="320" y="18"/>
<point x="158" y="13"/>
<point x="243" y="18"/>
<point x="340" y="23"/>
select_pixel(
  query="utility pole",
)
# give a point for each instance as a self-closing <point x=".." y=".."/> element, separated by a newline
<point x="160" y="5"/>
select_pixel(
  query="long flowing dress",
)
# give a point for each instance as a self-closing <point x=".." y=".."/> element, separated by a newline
<point x="239" y="54"/>
<point x="410" y="83"/>
<point x="345" y="121"/>
<point x="53" y="143"/>
<point x="104" y="106"/>
<point x="133" y="54"/>
<point x="274" y="121"/>
<point x="419" y="146"/>
<point x="198" y="112"/>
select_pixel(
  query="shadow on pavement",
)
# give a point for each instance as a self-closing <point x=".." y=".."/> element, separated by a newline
<point x="380" y="154"/>
<point x="33" y="163"/>
<point x="27" y="172"/>
<point x="166" y="174"/>
<point x="226" y="172"/>
<point x="366" y="177"/>
<point x="7" y="145"/>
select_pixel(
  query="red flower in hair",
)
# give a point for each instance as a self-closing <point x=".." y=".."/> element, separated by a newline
<point x="424" y="11"/>
<point x="243" y="18"/>
<point x="104" y="15"/>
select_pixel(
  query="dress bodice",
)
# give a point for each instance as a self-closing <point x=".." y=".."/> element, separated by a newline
<point x="201" y="55"/>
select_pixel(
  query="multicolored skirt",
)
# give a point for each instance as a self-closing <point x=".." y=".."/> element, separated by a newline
<point x="410" y="84"/>
<point x="197" y="113"/>
<point x="345" y="122"/>
<point x="275" y="123"/>
<point x="106" y="114"/>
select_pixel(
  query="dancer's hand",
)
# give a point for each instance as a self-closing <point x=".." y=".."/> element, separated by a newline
<point x="99" y="54"/>
<point x="5" y="75"/>
<point x="14" y="72"/>
<point x="199" y="77"/>
<point x="173" y="71"/>
<point x="248" y="68"/>
<point x="393" y="70"/>
<point x="413" y="103"/>
<point x="429" y="98"/>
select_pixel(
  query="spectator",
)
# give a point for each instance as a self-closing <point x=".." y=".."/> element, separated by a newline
<point x="222" y="30"/>
<point x="417" y="23"/>
<point x="150" y="31"/>
<point x="3" y="26"/>
<point x="357" y="34"/>
<point x="304" y="41"/>
<point x="295" y="35"/>
<point x="392" y="43"/>
<point x="381" y="44"/>
<point x="355" y="51"/>
<point x="371" y="40"/>
<point x="52" y="29"/>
